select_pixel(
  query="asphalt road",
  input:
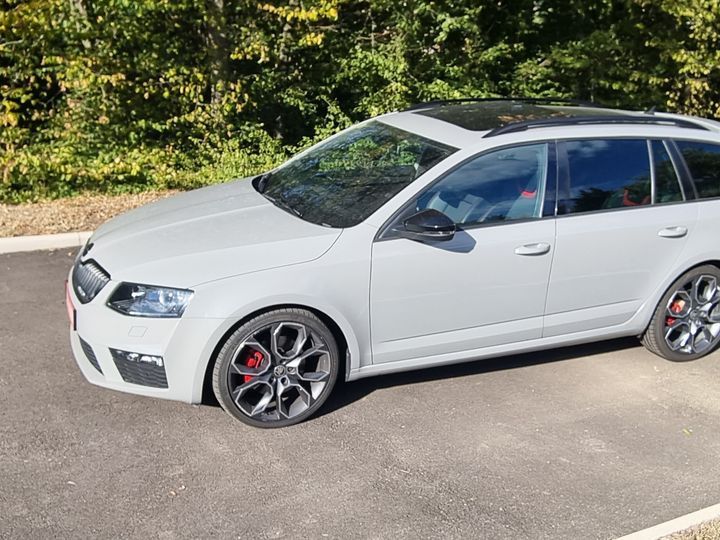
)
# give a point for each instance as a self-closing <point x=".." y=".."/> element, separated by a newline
<point x="586" y="442"/>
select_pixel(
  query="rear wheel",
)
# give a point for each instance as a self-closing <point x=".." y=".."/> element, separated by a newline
<point x="277" y="369"/>
<point x="686" y="324"/>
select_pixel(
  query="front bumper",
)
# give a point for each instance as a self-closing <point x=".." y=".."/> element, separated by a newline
<point x="185" y="345"/>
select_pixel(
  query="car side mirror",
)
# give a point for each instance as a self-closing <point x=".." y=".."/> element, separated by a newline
<point x="428" y="225"/>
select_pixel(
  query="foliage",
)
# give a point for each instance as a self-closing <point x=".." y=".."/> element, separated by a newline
<point x="128" y="95"/>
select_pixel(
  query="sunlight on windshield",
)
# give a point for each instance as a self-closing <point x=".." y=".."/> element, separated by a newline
<point x="342" y="181"/>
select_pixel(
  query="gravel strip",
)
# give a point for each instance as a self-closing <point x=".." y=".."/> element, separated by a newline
<point x="710" y="530"/>
<point x="81" y="213"/>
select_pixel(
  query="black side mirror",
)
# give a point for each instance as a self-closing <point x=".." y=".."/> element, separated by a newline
<point x="428" y="225"/>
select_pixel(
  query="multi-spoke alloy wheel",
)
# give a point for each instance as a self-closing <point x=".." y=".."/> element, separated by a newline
<point x="277" y="369"/>
<point x="686" y="324"/>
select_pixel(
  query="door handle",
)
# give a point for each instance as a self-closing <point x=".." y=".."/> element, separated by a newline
<point x="540" y="248"/>
<point x="673" y="232"/>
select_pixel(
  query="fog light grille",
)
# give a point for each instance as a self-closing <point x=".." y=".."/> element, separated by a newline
<point x="139" y="368"/>
<point x="90" y="354"/>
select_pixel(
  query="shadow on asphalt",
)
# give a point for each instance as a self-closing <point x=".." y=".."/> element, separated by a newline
<point x="346" y="393"/>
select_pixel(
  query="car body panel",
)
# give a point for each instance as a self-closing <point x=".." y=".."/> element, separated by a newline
<point x="431" y="128"/>
<point x="607" y="263"/>
<point x="467" y="293"/>
<point x="204" y="235"/>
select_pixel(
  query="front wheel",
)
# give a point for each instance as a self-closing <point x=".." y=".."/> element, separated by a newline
<point x="686" y="323"/>
<point x="277" y="369"/>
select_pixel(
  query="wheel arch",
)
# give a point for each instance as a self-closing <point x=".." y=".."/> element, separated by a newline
<point x="345" y="345"/>
<point x="672" y="278"/>
<point x="711" y="262"/>
<point x="656" y="336"/>
<point x="683" y="270"/>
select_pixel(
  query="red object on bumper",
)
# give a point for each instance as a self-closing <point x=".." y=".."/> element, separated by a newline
<point x="71" y="313"/>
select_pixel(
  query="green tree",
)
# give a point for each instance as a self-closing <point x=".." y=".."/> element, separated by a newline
<point x="118" y="95"/>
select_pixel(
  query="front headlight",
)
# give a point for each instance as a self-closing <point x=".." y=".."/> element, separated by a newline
<point x="149" y="301"/>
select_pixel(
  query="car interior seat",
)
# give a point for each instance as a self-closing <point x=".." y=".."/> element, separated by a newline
<point x="460" y="207"/>
<point x="528" y="202"/>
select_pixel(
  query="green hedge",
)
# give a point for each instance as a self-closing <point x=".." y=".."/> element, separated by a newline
<point x="128" y="95"/>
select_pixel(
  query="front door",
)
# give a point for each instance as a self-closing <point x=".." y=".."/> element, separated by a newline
<point x="486" y="286"/>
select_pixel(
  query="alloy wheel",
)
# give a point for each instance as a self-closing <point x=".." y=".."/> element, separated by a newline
<point x="692" y="316"/>
<point x="279" y="371"/>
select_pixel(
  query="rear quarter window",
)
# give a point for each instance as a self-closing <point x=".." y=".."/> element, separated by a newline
<point x="703" y="161"/>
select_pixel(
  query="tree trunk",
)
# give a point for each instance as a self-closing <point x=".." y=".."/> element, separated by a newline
<point x="217" y="48"/>
<point x="80" y="8"/>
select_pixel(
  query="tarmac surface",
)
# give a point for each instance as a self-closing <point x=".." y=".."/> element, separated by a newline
<point x="585" y="442"/>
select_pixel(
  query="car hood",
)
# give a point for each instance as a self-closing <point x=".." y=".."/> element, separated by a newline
<point x="205" y="235"/>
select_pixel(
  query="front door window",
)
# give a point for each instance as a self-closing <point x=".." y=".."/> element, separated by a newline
<point x="502" y="185"/>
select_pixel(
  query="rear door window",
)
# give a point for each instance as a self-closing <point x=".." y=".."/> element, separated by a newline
<point x="703" y="161"/>
<point x="604" y="174"/>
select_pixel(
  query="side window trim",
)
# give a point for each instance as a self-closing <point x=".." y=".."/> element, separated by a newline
<point x="549" y="205"/>
<point x="673" y="161"/>
<point x="653" y="176"/>
<point x="686" y="182"/>
<point x="563" y="179"/>
<point x="387" y="227"/>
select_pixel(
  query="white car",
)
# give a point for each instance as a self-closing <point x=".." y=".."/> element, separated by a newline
<point x="449" y="232"/>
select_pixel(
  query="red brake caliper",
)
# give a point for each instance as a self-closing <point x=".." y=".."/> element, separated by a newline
<point x="676" y="307"/>
<point x="252" y="360"/>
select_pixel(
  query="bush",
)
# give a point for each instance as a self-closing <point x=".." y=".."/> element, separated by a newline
<point x="116" y="96"/>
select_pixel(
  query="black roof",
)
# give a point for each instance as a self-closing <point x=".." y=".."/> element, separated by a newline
<point x="508" y="115"/>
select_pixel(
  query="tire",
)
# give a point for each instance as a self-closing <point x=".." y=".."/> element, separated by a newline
<point x="686" y="322"/>
<point x="289" y="353"/>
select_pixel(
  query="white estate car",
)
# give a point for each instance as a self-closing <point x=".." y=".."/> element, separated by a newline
<point x="449" y="232"/>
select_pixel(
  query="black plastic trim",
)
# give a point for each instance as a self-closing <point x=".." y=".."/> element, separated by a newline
<point x="683" y="170"/>
<point x="669" y="148"/>
<point x="549" y="208"/>
<point x="593" y="120"/>
<point x="90" y="354"/>
<point x="83" y="298"/>
<point x="627" y="208"/>
<point x="140" y="373"/>
<point x="441" y="102"/>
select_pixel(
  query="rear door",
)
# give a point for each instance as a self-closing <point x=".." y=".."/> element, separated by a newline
<point x="618" y="233"/>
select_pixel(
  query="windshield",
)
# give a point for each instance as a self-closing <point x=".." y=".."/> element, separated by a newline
<point x="340" y="182"/>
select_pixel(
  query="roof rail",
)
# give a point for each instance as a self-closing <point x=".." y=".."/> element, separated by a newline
<point x="711" y="124"/>
<point x="440" y="102"/>
<point x="583" y="120"/>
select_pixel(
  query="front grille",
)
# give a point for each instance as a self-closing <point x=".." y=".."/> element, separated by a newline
<point x="138" y="372"/>
<point x="90" y="354"/>
<point x="88" y="279"/>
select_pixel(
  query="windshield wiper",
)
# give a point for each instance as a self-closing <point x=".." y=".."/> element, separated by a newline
<point x="282" y="203"/>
